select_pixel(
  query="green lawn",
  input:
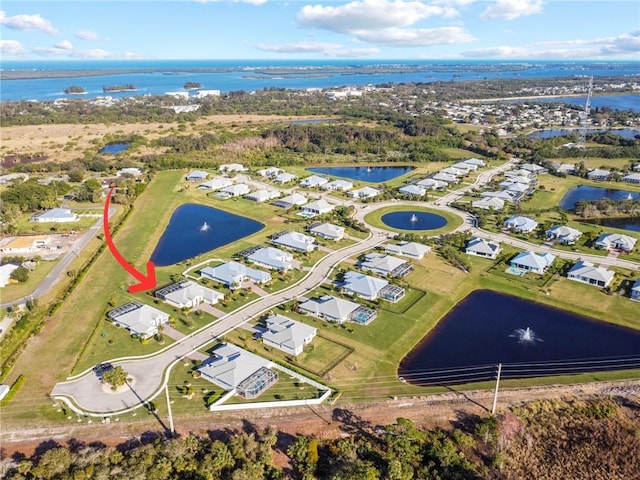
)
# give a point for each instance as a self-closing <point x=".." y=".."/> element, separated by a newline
<point x="14" y="291"/>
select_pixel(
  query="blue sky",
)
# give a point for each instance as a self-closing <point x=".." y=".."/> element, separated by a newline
<point x="300" y="29"/>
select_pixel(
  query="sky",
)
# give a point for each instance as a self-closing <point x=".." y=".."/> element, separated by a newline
<point x="301" y="29"/>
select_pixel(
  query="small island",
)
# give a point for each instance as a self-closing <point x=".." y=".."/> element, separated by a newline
<point x="74" y="90"/>
<point x="192" y="86"/>
<point x="127" y="87"/>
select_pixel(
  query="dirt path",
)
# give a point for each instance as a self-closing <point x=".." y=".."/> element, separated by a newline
<point x="324" y="421"/>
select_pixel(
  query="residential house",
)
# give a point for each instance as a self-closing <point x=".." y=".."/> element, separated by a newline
<point x="5" y="273"/>
<point x="216" y="183"/>
<point x="532" y="167"/>
<point x="488" y="203"/>
<point x="264" y="195"/>
<point x="24" y="244"/>
<point x="270" y="172"/>
<point x="587" y="272"/>
<point x="370" y="288"/>
<point x="635" y="291"/>
<point x="130" y="171"/>
<point x="430" y="183"/>
<point x="564" y="168"/>
<point x="412" y="190"/>
<point x="615" y="242"/>
<point x="502" y="195"/>
<point x="338" y="185"/>
<point x="319" y="207"/>
<point x="383" y="265"/>
<point x="233" y="274"/>
<point x="523" y="174"/>
<point x="483" y="248"/>
<point x="188" y="294"/>
<point x="237" y="370"/>
<point x="295" y="241"/>
<point x="631" y="178"/>
<point x="364" y="192"/>
<point x="408" y="249"/>
<point x="55" y="215"/>
<point x="475" y="161"/>
<point x="456" y="172"/>
<point x="467" y="167"/>
<point x="140" y="319"/>
<point x="521" y="224"/>
<point x="314" y="181"/>
<point x="337" y="310"/>
<point x="287" y="335"/>
<point x="599" y="174"/>
<point x="563" y="234"/>
<point x="328" y="231"/>
<point x="533" y="262"/>
<point x="235" y="190"/>
<point x="196" y="176"/>
<point x="445" y="177"/>
<point x="285" y="177"/>
<point x="232" y="167"/>
<point x="271" y="258"/>
<point x="295" y="199"/>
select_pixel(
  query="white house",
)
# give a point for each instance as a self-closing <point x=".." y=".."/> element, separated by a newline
<point x="370" y="288"/>
<point x="445" y="177"/>
<point x="328" y="231"/>
<point x="615" y="241"/>
<point x="196" y="176"/>
<point x="133" y="171"/>
<point x="235" y="190"/>
<point x="430" y="183"/>
<point x="271" y="258"/>
<point x="408" y="249"/>
<point x="319" y="207"/>
<point x="216" y="183"/>
<point x="383" y="265"/>
<point x="456" y="172"/>
<point x="412" y="190"/>
<point x="483" y="248"/>
<point x="294" y="241"/>
<point x="295" y="199"/>
<point x="502" y="195"/>
<point x="338" y="185"/>
<point x="631" y="178"/>
<point x="264" y="195"/>
<point x="532" y="167"/>
<point x="587" y="272"/>
<point x="563" y="234"/>
<point x="232" y="167"/>
<point x="270" y="172"/>
<point x="233" y="274"/>
<point x="467" y="167"/>
<point x="55" y="215"/>
<point x="488" y="203"/>
<point x="521" y="224"/>
<point x="475" y="161"/>
<point x="364" y="192"/>
<point x="532" y="262"/>
<point x="287" y="335"/>
<point x="635" y="291"/>
<point x="140" y="319"/>
<point x="337" y="310"/>
<point x="599" y="174"/>
<point x="200" y="94"/>
<point x="188" y="294"/>
<point x="314" y="181"/>
<point x="284" y="177"/>
<point x="5" y="273"/>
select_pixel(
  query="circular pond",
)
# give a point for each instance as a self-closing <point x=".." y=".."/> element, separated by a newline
<point x="413" y="220"/>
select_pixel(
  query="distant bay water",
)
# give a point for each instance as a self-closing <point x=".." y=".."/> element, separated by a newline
<point x="157" y="77"/>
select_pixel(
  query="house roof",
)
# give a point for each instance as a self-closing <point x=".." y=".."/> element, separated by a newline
<point x="475" y="161"/>
<point x="198" y="174"/>
<point x="295" y="240"/>
<point x="502" y="194"/>
<point x="230" y="365"/>
<point x="408" y="249"/>
<point x="236" y="189"/>
<point x="564" y="232"/>
<point x="608" y="239"/>
<point x="632" y="177"/>
<point x="480" y="245"/>
<point x="431" y="183"/>
<point x="138" y="317"/>
<point x="216" y="183"/>
<point x="328" y="229"/>
<point x="272" y="257"/>
<point x="496" y="203"/>
<point x="293" y="199"/>
<point x="381" y="262"/>
<point x="365" y="192"/>
<point x="263" y="195"/>
<point x="412" y="190"/>
<point x="636" y="286"/>
<point x="338" y="184"/>
<point x="185" y="291"/>
<point x="362" y="284"/>
<point x="445" y="177"/>
<point x="57" y="214"/>
<point x="314" y="180"/>
<point x="319" y="205"/>
<point x="533" y="260"/>
<point x="465" y="166"/>
<point x="598" y="172"/>
<point x="329" y="306"/>
<point x="286" y="332"/>
<point x="521" y="223"/>
<point x="285" y="177"/>
<point x="588" y="270"/>
<point x="231" y="273"/>
<point x="456" y="172"/>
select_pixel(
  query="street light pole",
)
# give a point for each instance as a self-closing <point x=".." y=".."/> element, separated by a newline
<point x="495" y="394"/>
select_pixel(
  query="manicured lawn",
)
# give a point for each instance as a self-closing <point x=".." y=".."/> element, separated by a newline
<point x="453" y="221"/>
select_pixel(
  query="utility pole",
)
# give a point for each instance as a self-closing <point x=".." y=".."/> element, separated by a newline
<point x="172" y="430"/>
<point x="495" y="393"/>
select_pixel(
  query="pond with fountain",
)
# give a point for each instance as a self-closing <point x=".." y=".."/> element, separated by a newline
<point x="365" y="174"/>
<point x="587" y="192"/>
<point x="195" y="229"/>
<point x="528" y="338"/>
<point x="413" y="220"/>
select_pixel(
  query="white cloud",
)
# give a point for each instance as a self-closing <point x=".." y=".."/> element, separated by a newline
<point x="27" y="23"/>
<point x="87" y="35"/>
<point x="64" y="45"/>
<point x="420" y="37"/>
<point x="512" y="9"/>
<point x="251" y="2"/>
<point x="624" y="44"/>
<point x="369" y="15"/>
<point x="326" y="49"/>
<point x="11" y="47"/>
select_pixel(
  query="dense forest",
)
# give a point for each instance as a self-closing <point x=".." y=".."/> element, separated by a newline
<point x="597" y="439"/>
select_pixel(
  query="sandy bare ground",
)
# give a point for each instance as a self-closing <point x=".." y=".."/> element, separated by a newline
<point x="51" y="140"/>
<point x="324" y="422"/>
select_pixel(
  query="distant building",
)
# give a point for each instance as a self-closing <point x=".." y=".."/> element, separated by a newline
<point x="55" y="215"/>
<point x="587" y="272"/>
<point x="338" y="185"/>
<point x="285" y="177"/>
<point x="431" y="184"/>
<point x="327" y="231"/>
<point x="532" y="262"/>
<point x="295" y="241"/>
<point x="270" y="172"/>
<point x="563" y="234"/>
<point x="232" y="167"/>
<point x="631" y="178"/>
<point x="445" y="177"/>
<point x="295" y="199"/>
<point x="4" y="389"/>
<point x="488" y="203"/>
<point x="262" y="195"/>
<point x="521" y="224"/>
<point x="133" y="171"/>
<point x="408" y="249"/>
<point x="483" y="248"/>
<point x="615" y="242"/>
<point x="475" y="161"/>
<point x="364" y="192"/>
<point x="287" y="335"/>
<point x="216" y="183"/>
<point x="235" y="190"/>
<point x="314" y="181"/>
<point x="414" y="190"/>
<point x="5" y="273"/>
<point x="319" y="207"/>
<point x="599" y="174"/>
<point x="206" y="93"/>
<point x="140" y="319"/>
<point x="196" y="176"/>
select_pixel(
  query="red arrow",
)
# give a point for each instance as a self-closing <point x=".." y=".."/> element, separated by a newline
<point x="148" y="281"/>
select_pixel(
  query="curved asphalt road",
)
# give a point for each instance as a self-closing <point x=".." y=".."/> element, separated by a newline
<point x="84" y="393"/>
